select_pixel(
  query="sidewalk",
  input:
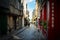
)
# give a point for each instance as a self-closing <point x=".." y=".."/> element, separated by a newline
<point x="18" y="31"/>
<point x="10" y="36"/>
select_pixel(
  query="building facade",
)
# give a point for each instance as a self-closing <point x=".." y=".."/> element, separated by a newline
<point x="24" y="12"/>
<point x="33" y="21"/>
<point x="48" y="21"/>
<point x="36" y="14"/>
<point x="11" y="13"/>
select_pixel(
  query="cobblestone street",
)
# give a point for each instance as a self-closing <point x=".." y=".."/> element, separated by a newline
<point x="31" y="33"/>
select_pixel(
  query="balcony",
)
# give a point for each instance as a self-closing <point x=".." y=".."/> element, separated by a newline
<point x="15" y="11"/>
<point x="20" y="6"/>
<point x="21" y="9"/>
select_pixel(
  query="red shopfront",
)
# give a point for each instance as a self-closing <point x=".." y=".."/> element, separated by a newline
<point x="47" y="16"/>
<point x="54" y="20"/>
<point x="50" y="13"/>
<point x="43" y="20"/>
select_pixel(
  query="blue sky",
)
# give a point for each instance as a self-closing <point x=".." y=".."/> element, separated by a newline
<point x="30" y="7"/>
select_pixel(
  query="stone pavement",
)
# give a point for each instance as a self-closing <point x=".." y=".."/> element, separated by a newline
<point x="26" y="33"/>
<point x="31" y="33"/>
<point x="10" y="36"/>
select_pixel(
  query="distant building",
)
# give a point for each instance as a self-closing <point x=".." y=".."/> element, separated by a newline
<point x="26" y="22"/>
<point x="33" y="16"/>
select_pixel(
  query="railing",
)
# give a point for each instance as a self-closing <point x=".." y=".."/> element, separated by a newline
<point x="20" y="6"/>
<point x="16" y="11"/>
<point x="16" y="7"/>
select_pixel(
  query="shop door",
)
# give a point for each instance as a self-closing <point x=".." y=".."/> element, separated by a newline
<point x="3" y="24"/>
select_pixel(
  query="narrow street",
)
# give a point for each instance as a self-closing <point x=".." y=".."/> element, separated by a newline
<point x="29" y="20"/>
<point x="31" y="33"/>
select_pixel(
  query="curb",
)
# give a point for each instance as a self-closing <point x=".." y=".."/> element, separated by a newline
<point x="9" y="36"/>
<point x="19" y="31"/>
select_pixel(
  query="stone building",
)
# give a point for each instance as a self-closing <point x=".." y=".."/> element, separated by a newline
<point x="11" y="13"/>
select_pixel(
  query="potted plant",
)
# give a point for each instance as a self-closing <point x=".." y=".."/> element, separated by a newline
<point x="44" y="24"/>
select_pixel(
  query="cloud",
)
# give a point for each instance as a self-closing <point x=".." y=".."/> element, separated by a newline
<point x="31" y="0"/>
<point x="30" y="8"/>
<point x="30" y="13"/>
<point x="28" y="1"/>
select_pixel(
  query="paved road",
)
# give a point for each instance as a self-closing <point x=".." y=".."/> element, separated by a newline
<point x="31" y="33"/>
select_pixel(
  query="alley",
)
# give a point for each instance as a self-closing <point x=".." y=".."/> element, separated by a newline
<point x="31" y="33"/>
<point x="29" y="20"/>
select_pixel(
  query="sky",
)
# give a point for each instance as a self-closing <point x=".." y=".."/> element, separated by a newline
<point x="30" y="7"/>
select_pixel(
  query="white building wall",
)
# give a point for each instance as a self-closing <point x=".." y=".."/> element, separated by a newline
<point x="24" y="11"/>
<point x="24" y="4"/>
